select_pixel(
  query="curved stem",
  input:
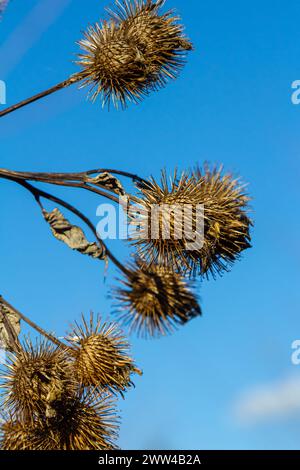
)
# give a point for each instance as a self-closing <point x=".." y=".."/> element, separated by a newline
<point x="80" y="176"/>
<point x="70" y="81"/>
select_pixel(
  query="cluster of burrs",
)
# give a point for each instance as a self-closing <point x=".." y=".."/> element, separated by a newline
<point x="157" y="293"/>
<point x="60" y="395"/>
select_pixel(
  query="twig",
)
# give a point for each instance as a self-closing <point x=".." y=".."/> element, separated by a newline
<point x="79" y="176"/>
<point x="73" y="180"/>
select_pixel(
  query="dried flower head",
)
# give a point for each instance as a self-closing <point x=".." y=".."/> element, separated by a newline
<point x="101" y="355"/>
<point x="138" y="50"/>
<point x="85" y="423"/>
<point x="37" y="380"/>
<point x="155" y="299"/>
<point x="197" y="223"/>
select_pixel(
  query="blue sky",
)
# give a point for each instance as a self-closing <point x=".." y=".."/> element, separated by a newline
<point x="231" y="105"/>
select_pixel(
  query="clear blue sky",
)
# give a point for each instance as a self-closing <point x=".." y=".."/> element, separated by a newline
<point x="231" y="105"/>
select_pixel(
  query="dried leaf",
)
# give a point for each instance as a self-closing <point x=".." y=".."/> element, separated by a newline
<point x="14" y="321"/>
<point x="72" y="235"/>
<point x="107" y="181"/>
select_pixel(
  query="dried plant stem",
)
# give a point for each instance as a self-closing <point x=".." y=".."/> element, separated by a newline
<point x="83" y="186"/>
<point x="70" y="81"/>
<point x="80" y="176"/>
<point x="30" y="323"/>
<point x="126" y="174"/>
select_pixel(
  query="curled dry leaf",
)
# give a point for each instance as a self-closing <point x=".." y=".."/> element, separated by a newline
<point x="72" y="235"/>
<point x="14" y="321"/>
<point x="107" y="181"/>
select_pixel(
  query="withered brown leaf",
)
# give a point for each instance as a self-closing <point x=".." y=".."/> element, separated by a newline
<point x="72" y="235"/>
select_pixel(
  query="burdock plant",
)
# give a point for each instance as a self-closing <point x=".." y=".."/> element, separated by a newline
<point x="226" y="227"/>
<point x="59" y="392"/>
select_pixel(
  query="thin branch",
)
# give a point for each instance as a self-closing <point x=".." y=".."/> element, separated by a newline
<point x="73" y="180"/>
<point x="83" y="186"/>
<point x="70" y="81"/>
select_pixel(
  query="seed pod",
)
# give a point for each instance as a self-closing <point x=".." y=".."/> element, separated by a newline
<point x="155" y="299"/>
<point x="215" y="202"/>
<point x="101" y="355"/>
<point x="37" y="380"/>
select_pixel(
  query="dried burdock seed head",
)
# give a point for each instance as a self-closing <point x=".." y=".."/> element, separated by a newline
<point x="101" y="355"/>
<point x="85" y="423"/>
<point x="195" y="224"/>
<point x="154" y="300"/>
<point x="24" y="435"/>
<point x="160" y="220"/>
<point x="136" y="52"/>
<point x="37" y="380"/>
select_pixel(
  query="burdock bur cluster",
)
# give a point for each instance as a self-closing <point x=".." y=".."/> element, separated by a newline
<point x="59" y="393"/>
